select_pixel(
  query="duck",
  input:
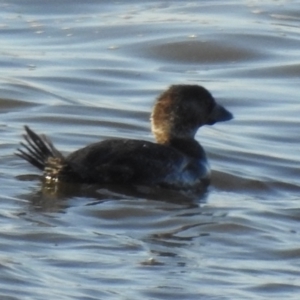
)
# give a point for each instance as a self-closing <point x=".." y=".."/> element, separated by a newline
<point x="176" y="160"/>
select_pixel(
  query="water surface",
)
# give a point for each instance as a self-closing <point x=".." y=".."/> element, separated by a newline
<point x="83" y="72"/>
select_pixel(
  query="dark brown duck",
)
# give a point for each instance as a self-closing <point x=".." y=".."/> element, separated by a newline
<point x="175" y="161"/>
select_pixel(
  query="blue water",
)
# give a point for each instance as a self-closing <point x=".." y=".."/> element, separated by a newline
<point x="82" y="72"/>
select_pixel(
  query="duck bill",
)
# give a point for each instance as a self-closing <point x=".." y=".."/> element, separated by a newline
<point x="219" y="114"/>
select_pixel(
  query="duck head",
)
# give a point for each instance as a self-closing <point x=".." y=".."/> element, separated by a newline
<point x="182" y="109"/>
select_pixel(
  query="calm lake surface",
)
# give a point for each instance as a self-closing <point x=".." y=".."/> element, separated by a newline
<point x="81" y="72"/>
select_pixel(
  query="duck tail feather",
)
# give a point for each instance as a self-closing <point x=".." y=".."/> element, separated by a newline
<point x="37" y="149"/>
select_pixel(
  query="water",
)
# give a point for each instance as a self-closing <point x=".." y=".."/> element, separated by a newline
<point x="81" y="72"/>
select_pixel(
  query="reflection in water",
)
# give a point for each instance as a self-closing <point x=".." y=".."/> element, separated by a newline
<point x="51" y="197"/>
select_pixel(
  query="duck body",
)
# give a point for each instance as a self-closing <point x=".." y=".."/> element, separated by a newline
<point x="175" y="161"/>
<point x="138" y="162"/>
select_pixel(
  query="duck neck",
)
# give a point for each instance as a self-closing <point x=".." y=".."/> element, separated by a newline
<point x="188" y="146"/>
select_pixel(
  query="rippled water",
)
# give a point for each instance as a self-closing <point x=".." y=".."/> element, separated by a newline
<point x="84" y="71"/>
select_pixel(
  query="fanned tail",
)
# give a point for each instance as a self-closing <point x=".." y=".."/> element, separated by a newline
<point x="37" y="149"/>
